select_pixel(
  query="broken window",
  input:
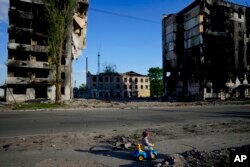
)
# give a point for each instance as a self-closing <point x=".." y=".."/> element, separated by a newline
<point x="125" y="86"/>
<point x="101" y="86"/>
<point x="117" y="86"/>
<point x="130" y="86"/>
<point x="24" y="6"/>
<point x="23" y="23"/>
<point x="125" y="79"/>
<point x="240" y="34"/>
<point x="141" y="79"/>
<point x="42" y="74"/>
<point x="125" y="94"/>
<point x="19" y="90"/>
<point x="63" y="61"/>
<point x="63" y="75"/>
<point x="41" y="41"/>
<point x="62" y="90"/>
<point x="136" y="80"/>
<point x="94" y="78"/>
<point x="141" y="86"/>
<point x="40" y="56"/>
<point x="146" y="86"/>
<point x="22" y="40"/>
<point x="20" y="73"/>
<point x="21" y="55"/>
<point x="136" y="86"/>
<point x="146" y="80"/>
<point x="130" y="79"/>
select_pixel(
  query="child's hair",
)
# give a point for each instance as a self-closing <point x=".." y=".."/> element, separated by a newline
<point x="145" y="134"/>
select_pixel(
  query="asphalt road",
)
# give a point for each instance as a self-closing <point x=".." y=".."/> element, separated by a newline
<point x="19" y="123"/>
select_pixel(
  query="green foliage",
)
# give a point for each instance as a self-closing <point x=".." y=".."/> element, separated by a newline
<point x="82" y="87"/>
<point x="156" y="83"/>
<point x="109" y="69"/>
<point x="58" y="15"/>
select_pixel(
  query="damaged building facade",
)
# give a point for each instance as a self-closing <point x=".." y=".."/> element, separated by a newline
<point x="206" y="50"/>
<point x="28" y="66"/>
<point x="116" y="85"/>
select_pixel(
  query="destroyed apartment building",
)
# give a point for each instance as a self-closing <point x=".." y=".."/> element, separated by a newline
<point x="28" y="66"/>
<point x="206" y="51"/>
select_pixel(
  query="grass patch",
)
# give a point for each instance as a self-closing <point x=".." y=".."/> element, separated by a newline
<point x="246" y="101"/>
<point x="30" y="106"/>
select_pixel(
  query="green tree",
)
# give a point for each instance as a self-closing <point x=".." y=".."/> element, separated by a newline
<point x="82" y="87"/>
<point x="109" y="69"/>
<point x="58" y="15"/>
<point x="156" y="83"/>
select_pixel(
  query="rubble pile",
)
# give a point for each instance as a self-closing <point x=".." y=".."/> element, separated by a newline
<point x="123" y="142"/>
<point x="216" y="158"/>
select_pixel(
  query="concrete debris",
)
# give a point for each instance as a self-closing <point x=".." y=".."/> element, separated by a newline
<point x="123" y="142"/>
<point x="200" y="158"/>
<point x="80" y="21"/>
<point x="127" y="145"/>
<point x="174" y="160"/>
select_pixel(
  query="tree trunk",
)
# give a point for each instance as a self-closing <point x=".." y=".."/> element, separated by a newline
<point x="58" y="73"/>
<point x="58" y="81"/>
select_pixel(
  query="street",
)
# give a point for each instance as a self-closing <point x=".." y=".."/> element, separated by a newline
<point x="33" y="138"/>
<point x="44" y="122"/>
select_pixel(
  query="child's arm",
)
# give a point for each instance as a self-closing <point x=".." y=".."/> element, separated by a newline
<point x="148" y="143"/>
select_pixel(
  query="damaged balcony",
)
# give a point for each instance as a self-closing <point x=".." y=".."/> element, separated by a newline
<point x="13" y="12"/>
<point x="29" y="64"/>
<point x="25" y="47"/>
<point x="24" y="31"/>
<point x="26" y="80"/>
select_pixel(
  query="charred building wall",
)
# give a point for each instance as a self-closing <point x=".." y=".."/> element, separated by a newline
<point x="205" y="47"/>
<point x="29" y="72"/>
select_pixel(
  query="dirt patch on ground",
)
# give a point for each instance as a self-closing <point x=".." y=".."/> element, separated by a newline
<point x="67" y="163"/>
<point x="164" y="134"/>
<point x="61" y="141"/>
<point x="81" y="104"/>
<point x="57" y="141"/>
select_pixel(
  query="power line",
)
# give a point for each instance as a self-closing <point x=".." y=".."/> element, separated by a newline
<point x="124" y="15"/>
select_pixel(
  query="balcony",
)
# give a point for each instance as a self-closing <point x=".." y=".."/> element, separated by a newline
<point x="25" y="80"/>
<point x="33" y="1"/>
<point x="25" y="47"/>
<point x="21" y="14"/>
<point x="19" y="30"/>
<point x="28" y="64"/>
